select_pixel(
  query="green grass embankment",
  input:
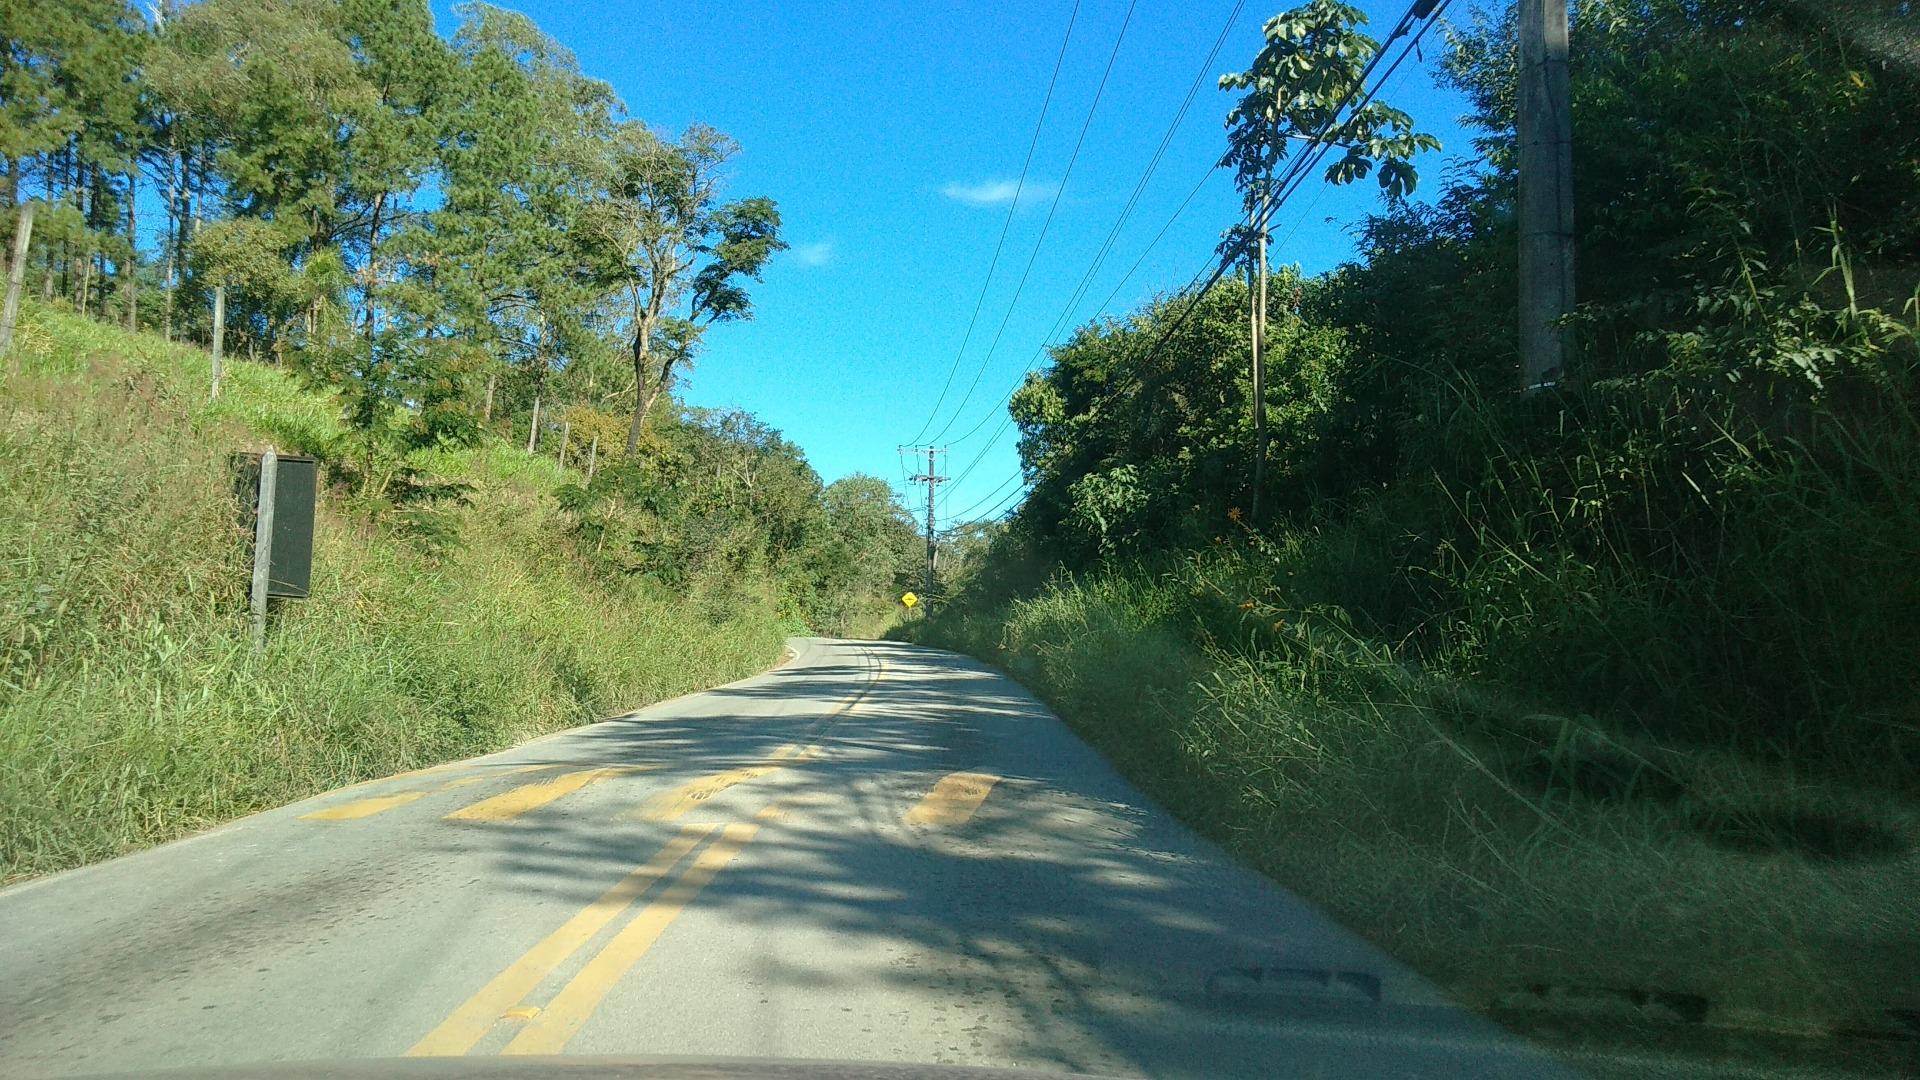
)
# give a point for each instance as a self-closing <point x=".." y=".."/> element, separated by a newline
<point x="132" y="708"/>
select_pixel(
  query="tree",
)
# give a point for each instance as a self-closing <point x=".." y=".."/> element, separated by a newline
<point x="507" y="260"/>
<point x="1308" y="74"/>
<point x="69" y="109"/>
<point x="1299" y="84"/>
<point x="685" y="251"/>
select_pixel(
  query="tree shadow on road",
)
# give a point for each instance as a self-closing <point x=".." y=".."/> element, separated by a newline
<point x="1066" y="924"/>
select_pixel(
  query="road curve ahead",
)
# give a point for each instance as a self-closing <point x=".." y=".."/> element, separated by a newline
<point x="875" y="852"/>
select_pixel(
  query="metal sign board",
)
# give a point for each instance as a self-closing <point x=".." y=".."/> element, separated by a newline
<point x="290" y="555"/>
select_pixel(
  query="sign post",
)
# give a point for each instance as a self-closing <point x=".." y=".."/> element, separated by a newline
<point x="263" y="546"/>
<point x="280" y="491"/>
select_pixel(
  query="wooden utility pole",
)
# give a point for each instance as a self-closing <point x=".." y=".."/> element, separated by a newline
<point x="219" y="333"/>
<point x="16" y="273"/>
<point x="130" y="270"/>
<point x="1546" y="193"/>
<point x="172" y="241"/>
<point x="1258" y="301"/>
<point x="932" y="479"/>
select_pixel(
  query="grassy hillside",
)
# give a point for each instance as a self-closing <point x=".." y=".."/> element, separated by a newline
<point x="132" y="709"/>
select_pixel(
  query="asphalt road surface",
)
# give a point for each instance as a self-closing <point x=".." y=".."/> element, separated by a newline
<point x="874" y="852"/>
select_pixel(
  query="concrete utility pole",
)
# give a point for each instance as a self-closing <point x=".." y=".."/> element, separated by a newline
<point x="932" y="479"/>
<point x="219" y="332"/>
<point x="1258" y="301"/>
<point x="1546" y="192"/>
<point x="16" y="274"/>
<point x="533" y="428"/>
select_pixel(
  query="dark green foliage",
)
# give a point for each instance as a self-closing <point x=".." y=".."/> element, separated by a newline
<point x="1299" y="90"/>
<point x="718" y="498"/>
<point x="1707" y="532"/>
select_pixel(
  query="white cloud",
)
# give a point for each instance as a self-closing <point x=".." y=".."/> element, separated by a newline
<point x="819" y="253"/>
<point x="998" y="192"/>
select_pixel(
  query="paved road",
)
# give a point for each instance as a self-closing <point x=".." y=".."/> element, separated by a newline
<point x="874" y="852"/>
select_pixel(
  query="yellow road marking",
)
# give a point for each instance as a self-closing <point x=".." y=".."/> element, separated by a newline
<point x="510" y="805"/>
<point x="524" y="1012"/>
<point x="549" y="1032"/>
<point x="953" y="800"/>
<point x="360" y="808"/>
<point x="678" y="802"/>
<point x="476" y="1016"/>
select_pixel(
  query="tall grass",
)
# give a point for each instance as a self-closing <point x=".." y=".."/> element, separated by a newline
<point x="1489" y="842"/>
<point x="133" y="708"/>
<point x="1613" y="690"/>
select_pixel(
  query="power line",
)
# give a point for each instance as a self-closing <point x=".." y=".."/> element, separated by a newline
<point x="1052" y="209"/>
<point x="995" y="508"/>
<point x="1005" y="415"/>
<point x="991" y="511"/>
<point x="1104" y="304"/>
<point x="1301" y="166"/>
<point x="1290" y="182"/>
<point x="1086" y="280"/>
<point x="1007" y="224"/>
<point x="1106" y="246"/>
<point x="982" y="454"/>
<point x="960" y="515"/>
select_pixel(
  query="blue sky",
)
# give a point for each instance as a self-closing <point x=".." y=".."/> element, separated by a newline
<point x="891" y="135"/>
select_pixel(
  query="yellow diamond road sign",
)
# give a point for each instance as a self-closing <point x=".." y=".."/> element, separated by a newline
<point x="909" y="599"/>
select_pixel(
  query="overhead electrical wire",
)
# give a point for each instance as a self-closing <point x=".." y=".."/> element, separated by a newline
<point x="1303" y="165"/>
<point x="968" y="517"/>
<point x="1104" y="305"/>
<point x="1428" y="12"/>
<point x="1007" y="224"/>
<point x="1002" y="486"/>
<point x="995" y="508"/>
<point x="1052" y="209"/>
<point x="1113" y="234"/>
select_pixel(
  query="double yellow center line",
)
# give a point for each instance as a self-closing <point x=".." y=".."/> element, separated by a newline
<point x="675" y="803"/>
<point x="548" y="1028"/>
<point x="548" y="1031"/>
